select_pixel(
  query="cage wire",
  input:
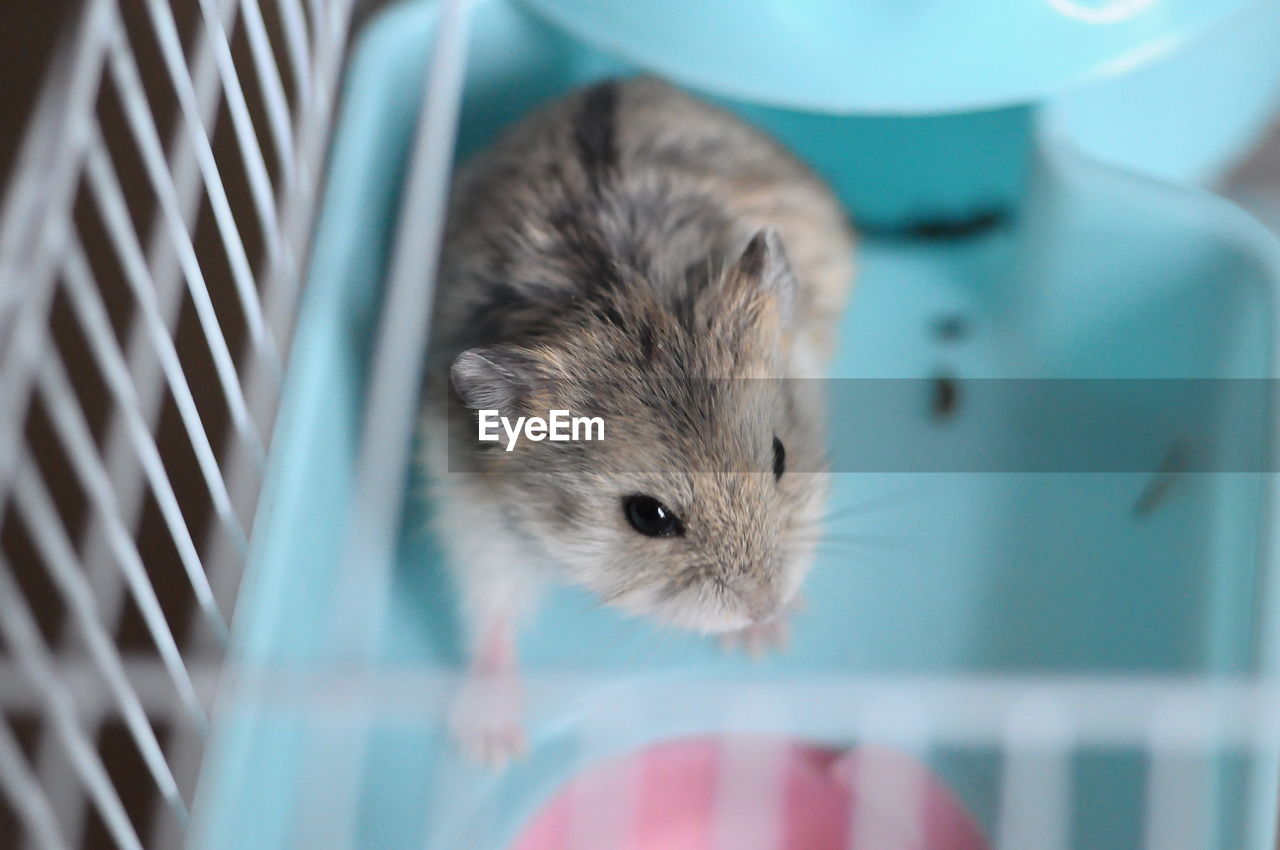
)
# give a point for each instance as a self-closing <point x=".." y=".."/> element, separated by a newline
<point x="151" y="249"/>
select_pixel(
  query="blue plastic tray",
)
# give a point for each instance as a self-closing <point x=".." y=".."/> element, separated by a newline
<point x="1097" y="274"/>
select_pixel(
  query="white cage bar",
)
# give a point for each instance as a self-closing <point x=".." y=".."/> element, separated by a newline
<point x="252" y="88"/>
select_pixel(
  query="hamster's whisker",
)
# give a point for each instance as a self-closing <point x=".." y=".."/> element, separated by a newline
<point x="657" y="642"/>
<point x="849" y="545"/>
<point x="609" y="598"/>
<point x="872" y="539"/>
<point x="856" y="552"/>
<point x="871" y="505"/>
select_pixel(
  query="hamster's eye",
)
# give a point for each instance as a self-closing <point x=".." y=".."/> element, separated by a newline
<point x="651" y="518"/>
<point x="779" y="459"/>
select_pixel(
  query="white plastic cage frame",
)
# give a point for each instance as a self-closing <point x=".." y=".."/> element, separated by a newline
<point x="151" y="249"/>
<point x="68" y="675"/>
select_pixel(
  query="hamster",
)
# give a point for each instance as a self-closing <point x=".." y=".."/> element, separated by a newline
<point x="631" y="252"/>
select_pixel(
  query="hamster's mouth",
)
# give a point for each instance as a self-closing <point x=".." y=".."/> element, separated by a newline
<point x="733" y="624"/>
<point x="684" y="614"/>
<point x="705" y="622"/>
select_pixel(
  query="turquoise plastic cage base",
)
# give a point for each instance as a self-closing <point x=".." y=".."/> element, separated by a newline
<point x="1098" y="274"/>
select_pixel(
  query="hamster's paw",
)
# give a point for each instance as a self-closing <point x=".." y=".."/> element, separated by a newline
<point x="486" y="718"/>
<point x="760" y="639"/>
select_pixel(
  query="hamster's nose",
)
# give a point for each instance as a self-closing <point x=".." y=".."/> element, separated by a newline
<point x="759" y="596"/>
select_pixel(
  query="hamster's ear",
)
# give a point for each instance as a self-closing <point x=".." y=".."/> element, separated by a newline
<point x="493" y="378"/>
<point x="760" y="281"/>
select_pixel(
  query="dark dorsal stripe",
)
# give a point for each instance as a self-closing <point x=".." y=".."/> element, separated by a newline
<point x="594" y="132"/>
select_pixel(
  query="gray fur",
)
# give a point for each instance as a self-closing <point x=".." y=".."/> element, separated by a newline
<point x="620" y="253"/>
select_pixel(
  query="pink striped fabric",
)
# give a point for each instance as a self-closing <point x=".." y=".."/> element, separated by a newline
<point x="825" y="800"/>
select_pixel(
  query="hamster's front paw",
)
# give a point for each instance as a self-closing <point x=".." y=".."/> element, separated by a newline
<point x="760" y="639"/>
<point x="486" y="718"/>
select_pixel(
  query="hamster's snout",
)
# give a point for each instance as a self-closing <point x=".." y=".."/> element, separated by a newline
<point x="761" y="600"/>
<point x="763" y="611"/>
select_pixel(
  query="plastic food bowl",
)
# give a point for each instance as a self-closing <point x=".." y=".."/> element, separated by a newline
<point x="1081" y="271"/>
